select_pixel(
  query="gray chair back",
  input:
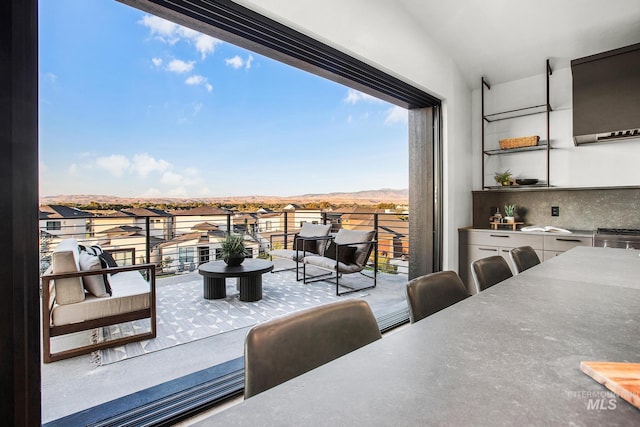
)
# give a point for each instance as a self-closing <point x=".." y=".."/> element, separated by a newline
<point x="524" y="258"/>
<point x="283" y="348"/>
<point x="489" y="271"/>
<point x="434" y="292"/>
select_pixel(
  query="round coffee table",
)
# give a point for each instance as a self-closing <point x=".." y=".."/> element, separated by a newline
<point x="249" y="275"/>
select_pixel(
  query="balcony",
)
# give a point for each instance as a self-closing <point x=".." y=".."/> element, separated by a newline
<point x="198" y="337"/>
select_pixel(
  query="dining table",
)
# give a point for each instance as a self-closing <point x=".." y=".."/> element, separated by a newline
<point x="507" y="356"/>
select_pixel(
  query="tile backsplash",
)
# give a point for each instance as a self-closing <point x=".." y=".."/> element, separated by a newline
<point x="580" y="208"/>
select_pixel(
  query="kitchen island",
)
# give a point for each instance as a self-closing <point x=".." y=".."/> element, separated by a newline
<point x="509" y="355"/>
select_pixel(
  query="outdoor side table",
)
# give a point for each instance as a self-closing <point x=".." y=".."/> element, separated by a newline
<point x="249" y="276"/>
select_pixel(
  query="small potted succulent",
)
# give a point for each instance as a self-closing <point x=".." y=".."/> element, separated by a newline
<point x="233" y="249"/>
<point x="503" y="178"/>
<point x="510" y="213"/>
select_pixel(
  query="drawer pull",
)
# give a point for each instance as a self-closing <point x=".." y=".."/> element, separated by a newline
<point x="499" y="235"/>
<point x="569" y="240"/>
<point x="488" y="249"/>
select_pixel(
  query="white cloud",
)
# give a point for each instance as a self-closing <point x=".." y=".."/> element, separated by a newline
<point x="162" y="29"/>
<point x="197" y="80"/>
<point x="396" y="114"/>
<point x="171" y="178"/>
<point x="143" y="164"/>
<point x="178" y="192"/>
<point x="355" y="96"/>
<point x="50" y="77"/>
<point x="73" y="169"/>
<point x="179" y="66"/>
<point x="205" y="44"/>
<point x="117" y="164"/>
<point x="237" y="62"/>
<point x="171" y="33"/>
<point x="152" y="192"/>
<point x="175" y="179"/>
<point x="156" y="61"/>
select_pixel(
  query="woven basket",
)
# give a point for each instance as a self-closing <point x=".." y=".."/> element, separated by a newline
<point x="523" y="141"/>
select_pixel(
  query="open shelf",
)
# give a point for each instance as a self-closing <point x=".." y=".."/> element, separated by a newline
<point x="542" y="145"/>
<point x="514" y="187"/>
<point x="520" y="112"/>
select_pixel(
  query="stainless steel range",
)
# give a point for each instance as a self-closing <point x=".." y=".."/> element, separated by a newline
<point x="625" y="238"/>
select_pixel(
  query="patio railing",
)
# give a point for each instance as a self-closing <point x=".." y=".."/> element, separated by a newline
<point x="179" y="243"/>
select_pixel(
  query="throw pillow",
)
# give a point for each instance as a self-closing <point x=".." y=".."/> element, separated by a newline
<point x="65" y="260"/>
<point x="97" y="285"/>
<point x="346" y="254"/>
<point x="107" y="260"/>
<point x="306" y="245"/>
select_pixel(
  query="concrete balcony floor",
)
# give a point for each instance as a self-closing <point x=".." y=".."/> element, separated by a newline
<point x="73" y="385"/>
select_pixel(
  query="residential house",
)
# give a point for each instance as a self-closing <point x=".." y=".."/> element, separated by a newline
<point x="186" y="251"/>
<point x="64" y="221"/>
<point x="298" y="215"/>
<point x="160" y="223"/>
<point x="186" y="219"/>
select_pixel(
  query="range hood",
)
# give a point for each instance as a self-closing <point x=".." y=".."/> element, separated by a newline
<point x="606" y="96"/>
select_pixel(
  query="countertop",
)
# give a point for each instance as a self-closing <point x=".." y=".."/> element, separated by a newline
<point x="509" y="355"/>
<point x="576" y="233"/>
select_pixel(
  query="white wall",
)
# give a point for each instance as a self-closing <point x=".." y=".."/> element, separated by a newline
<point x="598" y="165"/>
<point x="382" y="34"/>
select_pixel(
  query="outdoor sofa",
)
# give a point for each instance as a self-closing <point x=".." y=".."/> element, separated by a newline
<point x="80" y="294"/>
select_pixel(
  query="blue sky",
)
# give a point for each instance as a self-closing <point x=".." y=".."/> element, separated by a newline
<point x="135" y="106"/>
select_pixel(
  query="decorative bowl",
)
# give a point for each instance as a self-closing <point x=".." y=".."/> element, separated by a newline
<point x="526" y="181"/>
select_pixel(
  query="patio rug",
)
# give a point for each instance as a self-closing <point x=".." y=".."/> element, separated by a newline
<point x="184" y="316"/>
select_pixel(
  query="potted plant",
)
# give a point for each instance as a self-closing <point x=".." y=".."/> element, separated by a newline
<point x="503" y="178"/>
<point x="233" y="249"/>
<point x="509" y="213"/>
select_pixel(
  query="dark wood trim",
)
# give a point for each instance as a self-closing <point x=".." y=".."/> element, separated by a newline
<point x="243" y="27"/>
<point x="422" y="198"/>
<point x="19" y="298"/>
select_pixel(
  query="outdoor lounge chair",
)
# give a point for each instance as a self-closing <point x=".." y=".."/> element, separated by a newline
<point x="301" y="247"/>
<point x="346" y="253"/>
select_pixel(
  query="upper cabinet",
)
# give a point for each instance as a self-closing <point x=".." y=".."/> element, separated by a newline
<point x="508" y="132"/>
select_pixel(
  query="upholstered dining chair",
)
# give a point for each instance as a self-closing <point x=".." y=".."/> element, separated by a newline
<point x="489" y="271"/>
<point x="524" y="258"/>
<point x="434" y="292"/>
<point x="283" y="348"/>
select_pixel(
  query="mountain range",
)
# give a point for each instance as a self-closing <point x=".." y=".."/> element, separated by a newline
<point x="366" y="197"/>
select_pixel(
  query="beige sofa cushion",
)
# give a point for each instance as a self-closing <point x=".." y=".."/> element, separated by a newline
<point x="97" y="285"/>
<point x="65" y="260"/>
<point x="130" y="293"/>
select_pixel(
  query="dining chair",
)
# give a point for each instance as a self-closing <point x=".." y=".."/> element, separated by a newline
<point x="283" y="348"/>
<point x="434" y="292"/>
<point x="489" y="271"/>
<point x="524" y="258"/>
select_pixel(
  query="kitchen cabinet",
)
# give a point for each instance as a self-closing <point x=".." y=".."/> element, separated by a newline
<point x="475" y="244"/>
<point x="488" y="119"/>
<point x="555" y="245"/>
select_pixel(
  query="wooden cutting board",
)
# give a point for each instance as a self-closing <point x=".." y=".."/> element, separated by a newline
<point x="621" y="378"/>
